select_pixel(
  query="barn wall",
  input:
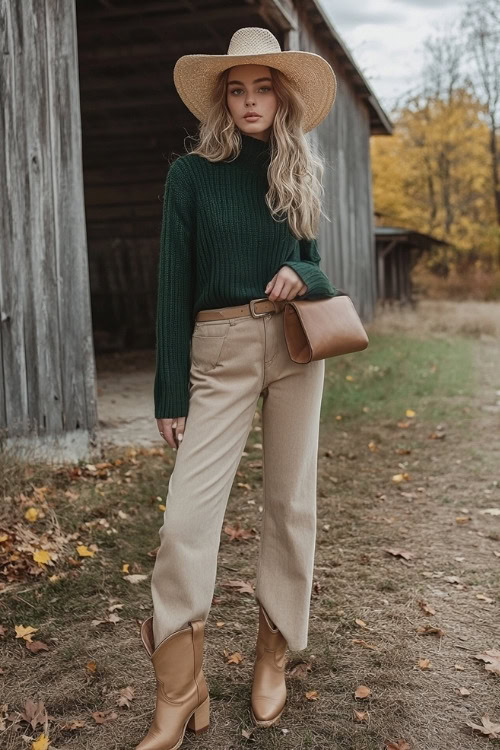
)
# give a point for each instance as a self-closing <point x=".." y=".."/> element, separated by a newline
<point x="347" y="244"/>
<point x="47" y="373"/>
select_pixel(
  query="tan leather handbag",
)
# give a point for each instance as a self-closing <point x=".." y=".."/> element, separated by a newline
<point x="317" y="329"/>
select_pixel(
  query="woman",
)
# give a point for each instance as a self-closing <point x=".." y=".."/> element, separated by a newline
<point x="241" y="211"/>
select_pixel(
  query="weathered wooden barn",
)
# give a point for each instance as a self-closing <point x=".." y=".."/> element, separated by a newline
<point x="89" y="119"/>
<point x="398" y="250"/>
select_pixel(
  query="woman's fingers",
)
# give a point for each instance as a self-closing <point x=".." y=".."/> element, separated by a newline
<point x="171" y="430"/>
<point x="181" y="422"/>
<point x="285" y="285"/>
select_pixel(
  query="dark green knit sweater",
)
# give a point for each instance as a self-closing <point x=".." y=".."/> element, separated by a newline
<point x="219" y="246"/>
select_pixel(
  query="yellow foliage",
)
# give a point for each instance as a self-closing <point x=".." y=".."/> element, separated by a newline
<point x="434" y="174"/>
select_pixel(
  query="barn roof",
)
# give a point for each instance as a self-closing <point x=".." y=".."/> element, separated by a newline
<point x="380" y="124"/>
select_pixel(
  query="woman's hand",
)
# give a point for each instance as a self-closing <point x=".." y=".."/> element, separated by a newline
<point x="285" y="285"/>
<point x="167" y="427"/>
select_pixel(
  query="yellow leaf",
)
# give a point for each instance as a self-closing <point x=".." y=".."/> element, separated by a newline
<point x="84" y="551"/>
<point x="338" y="417"/>
<point x="31" y="514"/>
<point x="410" y="413"/>
<point x="125" y="567"/>
<point x="312" y="695"/>
<point x="349" y="378"/>
<point x="401" y="477"/>
<point x="4" y="537"/>
<point x="41" y="743"/>
<point x="41" y="556"/>
<point x="161" y="507"/>
<point x="26" y="633"/>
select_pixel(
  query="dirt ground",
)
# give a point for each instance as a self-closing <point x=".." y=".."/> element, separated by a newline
<point x="404" y="637"/>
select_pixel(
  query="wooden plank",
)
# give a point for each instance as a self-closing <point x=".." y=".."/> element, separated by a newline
<point x="41" y="330"/>
<point x="13" y="226"/>
<point x="79" y="394"/>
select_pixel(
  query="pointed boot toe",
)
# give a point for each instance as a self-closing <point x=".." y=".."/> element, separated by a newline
<point x="182" y="700"/>
<point x="268" y="686"/>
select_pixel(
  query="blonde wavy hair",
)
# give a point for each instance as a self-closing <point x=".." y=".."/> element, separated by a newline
<point x="295" y="170"/>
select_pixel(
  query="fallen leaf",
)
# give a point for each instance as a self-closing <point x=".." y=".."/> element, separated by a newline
<point x="41" y="743"/>
<point x="102" y="717"/>
<point x="360" y="642"/>
<point x="484" y="598"/>
<point x="72" y="725"/>
<point x="489" y="728"/>
<point x="126" y="695"/>
<point x="426" y="608"/>
<point x="398" y="552"/>
<point x="363" y="691"/>
<point x="430" y="630"/>
<point x="26" y="633"/>
<point x="135" y="577"/>
<point x="236" y="532"/>
<point x="84" y="551"/>
<point x="36" y="646"/>
<point x="463" y="691"/>
<point x="243" y="587"/>
<point x="361" y="715"/>
<point x="492" y="659"/>
<point x="42" y="557"/>
<point x="312" y="695"/>
<point x="398" y="745"/>
<point x="404" y="477"/>
<point x="234" y="658"/>
<point x="300" y="670"/>
<point x="424" y="663"/>
<point x="31" y="514"/>
<point x="34" y="713"/>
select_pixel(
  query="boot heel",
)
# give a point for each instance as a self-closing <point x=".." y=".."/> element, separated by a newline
<point x="199" y="721"/>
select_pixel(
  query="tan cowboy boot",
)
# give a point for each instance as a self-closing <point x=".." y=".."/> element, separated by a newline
<point x="268" y="687"/>
<point x="182" y="698"/>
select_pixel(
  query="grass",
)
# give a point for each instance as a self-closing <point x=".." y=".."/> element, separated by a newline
<point x="394" y="373"/>
<point x="361" y="593"/>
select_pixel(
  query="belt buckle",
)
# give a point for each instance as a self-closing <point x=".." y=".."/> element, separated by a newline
<point x="252" y="307"/>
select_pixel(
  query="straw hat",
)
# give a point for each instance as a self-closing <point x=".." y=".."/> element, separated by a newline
<point x="312" y="75"/>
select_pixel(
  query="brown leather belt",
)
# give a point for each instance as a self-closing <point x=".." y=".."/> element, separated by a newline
<point x="257" y="308"/>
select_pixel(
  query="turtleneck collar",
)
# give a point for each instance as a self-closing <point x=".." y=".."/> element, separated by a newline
<point x="254" y="151"/>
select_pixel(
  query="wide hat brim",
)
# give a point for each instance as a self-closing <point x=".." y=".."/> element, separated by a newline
<point x="195" y="77"/>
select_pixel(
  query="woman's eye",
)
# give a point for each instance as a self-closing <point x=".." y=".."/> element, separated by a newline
<point x="262" y="88"/>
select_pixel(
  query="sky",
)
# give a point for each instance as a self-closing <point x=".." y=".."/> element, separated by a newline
<point x="385" y="38"/>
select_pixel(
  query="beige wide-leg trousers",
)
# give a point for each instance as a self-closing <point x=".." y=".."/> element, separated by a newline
<point x="233" y="362"/>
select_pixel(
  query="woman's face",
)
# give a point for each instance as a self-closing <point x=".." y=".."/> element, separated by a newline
<point x="250" y="89"/>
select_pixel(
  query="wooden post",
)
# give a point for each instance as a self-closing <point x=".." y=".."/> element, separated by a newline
<point x="48" y="388"/>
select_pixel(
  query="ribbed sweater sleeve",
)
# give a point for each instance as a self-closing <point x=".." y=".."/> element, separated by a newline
<point x="175" y="294"/>
<point x="318" y="284"/>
